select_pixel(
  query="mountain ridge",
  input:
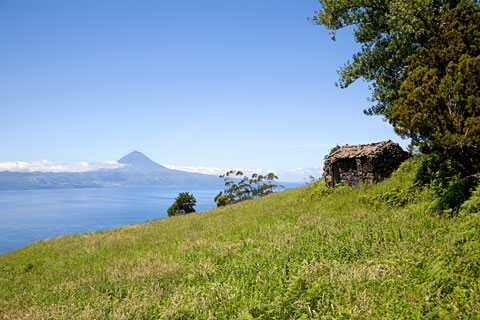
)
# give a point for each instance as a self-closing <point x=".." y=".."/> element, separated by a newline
<point x="139" y="172"/>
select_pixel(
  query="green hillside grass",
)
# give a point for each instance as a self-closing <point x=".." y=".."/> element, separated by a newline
<point x="377" y="251"/>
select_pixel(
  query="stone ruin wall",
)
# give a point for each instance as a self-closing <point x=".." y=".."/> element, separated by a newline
<point x="375" y="166"/>
<point x="354" y="171"/>
<point x="388" y="161"/>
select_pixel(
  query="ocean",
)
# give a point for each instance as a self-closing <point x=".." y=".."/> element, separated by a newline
<point x="30" y="215"/>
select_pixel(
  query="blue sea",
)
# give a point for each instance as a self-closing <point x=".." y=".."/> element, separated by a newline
<point x="30" y="215"/>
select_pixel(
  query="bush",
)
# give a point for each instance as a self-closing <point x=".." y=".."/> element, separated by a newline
<point x="472" y="205"/>
<point x="183" y="204"/>
<point x="221" y="201"/>
<point x="449" y="182"/>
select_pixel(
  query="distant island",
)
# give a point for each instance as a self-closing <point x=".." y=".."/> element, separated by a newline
<point x="138" y="171"/>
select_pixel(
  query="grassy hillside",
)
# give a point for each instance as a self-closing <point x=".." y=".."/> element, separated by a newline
<point x="376" y="251"/>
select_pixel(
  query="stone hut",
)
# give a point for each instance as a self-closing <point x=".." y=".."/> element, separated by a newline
<point x="364" y="163"/>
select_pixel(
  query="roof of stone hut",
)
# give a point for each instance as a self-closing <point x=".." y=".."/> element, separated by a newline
<point x="358" y="151"/>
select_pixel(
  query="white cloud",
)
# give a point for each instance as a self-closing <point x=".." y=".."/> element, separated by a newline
<point x="300" y="174"/>
<point x="212" y="170"/>
<point x="49" y="166"/>
<point x="293" y="175"/>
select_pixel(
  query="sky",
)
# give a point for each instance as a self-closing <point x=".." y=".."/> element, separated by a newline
<point x="191" y="84"/>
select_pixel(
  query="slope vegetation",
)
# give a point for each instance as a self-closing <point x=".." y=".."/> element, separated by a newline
<point x="376" y="251"/>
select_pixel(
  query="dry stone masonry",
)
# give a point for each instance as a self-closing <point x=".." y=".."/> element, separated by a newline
<point x="365" y="163"/>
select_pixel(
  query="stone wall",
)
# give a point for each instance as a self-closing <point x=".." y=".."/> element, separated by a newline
<point x="388" y="161"/>
<point x="355" y="165"/>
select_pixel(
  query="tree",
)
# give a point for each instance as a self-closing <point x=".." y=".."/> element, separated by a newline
<point x="389" y="31"/>
<point x="183" y="204"/>
<point x="439" y="102"/>
<point x="240" y="187"/>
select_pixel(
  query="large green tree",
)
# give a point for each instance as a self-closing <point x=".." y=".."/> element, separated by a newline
<point x="438" y="104"/>
<point x="389" y="31"/>
<point x="422" y="59"/>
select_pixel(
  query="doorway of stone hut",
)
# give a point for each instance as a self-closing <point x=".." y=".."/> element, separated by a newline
<point x="336" y="174"/>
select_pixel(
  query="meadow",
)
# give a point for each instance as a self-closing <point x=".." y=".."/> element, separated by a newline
<point x="377" y="251"/>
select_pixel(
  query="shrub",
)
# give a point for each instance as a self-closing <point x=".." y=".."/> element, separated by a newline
<point x="447" y="179"/>
<point x="183" y="204"/>
<point x="472" y="205"/>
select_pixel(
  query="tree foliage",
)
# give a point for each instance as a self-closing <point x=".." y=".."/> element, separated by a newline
<point x="439" y="102"/>
<point x="183" y="204"/>
<point x="240" y="187"/>
<point x="389" y="31"/>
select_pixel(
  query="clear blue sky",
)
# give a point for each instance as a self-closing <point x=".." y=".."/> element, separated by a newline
<point x="212" y="83"/>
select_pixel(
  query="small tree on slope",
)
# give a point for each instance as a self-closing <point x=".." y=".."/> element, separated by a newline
<point x="183" y="204"/>
<point x="240" y="187"/>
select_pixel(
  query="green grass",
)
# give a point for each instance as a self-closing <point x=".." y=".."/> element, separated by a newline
<point x="376" y="251"/>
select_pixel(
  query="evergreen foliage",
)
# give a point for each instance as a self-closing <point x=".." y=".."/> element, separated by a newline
<point x="422" y="58"/>
<point x="439" y="102"/>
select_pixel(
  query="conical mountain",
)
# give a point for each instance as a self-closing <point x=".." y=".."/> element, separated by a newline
<point x="139" y="161"/>
<point x="139" y="172"/>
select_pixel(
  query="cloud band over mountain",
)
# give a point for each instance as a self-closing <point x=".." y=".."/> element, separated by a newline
<point x="298" y="174"/>
<point x="49" y="166"/>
